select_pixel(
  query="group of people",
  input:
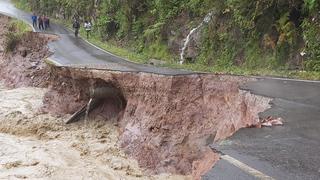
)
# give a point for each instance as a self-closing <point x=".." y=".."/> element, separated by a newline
<point x="42" y="22"/>
<point x="76" y="26"/>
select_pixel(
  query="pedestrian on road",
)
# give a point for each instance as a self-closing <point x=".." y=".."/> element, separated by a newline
<point x="76" y="27"/>
<point x="34" y="20"/>
<point x="41" y="22"/>
<point x="46" y="22"/>
<point x="87" y="27"/>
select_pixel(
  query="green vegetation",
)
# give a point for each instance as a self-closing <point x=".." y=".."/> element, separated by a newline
<point x="15" y="31"/>
<point x="11" y="41"/>
<point x="265" y="37"/>
<point x="19" y="26"/>
<point x="22" y="4"/>
<point x="122" y="52"/>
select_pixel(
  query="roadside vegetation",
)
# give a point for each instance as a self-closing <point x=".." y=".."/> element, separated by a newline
<point x="262" y="37"/>
<point x="16" y="30"/>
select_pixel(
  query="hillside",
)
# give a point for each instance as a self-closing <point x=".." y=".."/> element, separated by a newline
<point x="239" y="35"/>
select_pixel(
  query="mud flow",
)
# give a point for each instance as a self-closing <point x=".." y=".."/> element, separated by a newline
<point x="138" y="125"/>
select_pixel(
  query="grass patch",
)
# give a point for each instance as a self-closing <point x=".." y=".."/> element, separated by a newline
<point x="122" y="52"/>
<point x="20" y="26"/>
<point x="15" y="32"/>
<point x="11" y="41"/>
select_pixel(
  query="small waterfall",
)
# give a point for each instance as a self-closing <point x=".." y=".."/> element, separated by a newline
<point x="206" y="20"/>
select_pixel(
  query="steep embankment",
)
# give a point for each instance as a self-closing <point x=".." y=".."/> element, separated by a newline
<point x="168" y="121"/>
<point x="37" y="145"/>
<point x="24" y="66"/>
<point x="164" y="122"/>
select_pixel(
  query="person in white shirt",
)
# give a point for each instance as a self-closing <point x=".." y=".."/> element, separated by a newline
<point x="87" y="27"/>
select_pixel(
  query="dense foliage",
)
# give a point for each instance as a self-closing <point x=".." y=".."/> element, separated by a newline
<point x="251" y="34"/>
<point x="265" y="33"/>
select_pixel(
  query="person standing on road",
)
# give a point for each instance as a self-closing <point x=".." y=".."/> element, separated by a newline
<point x="76" y="27"/>
<point x="34" y="20"/>
<point x="87" y="27"/>
<point x="40" y="21"/>
<point x="46" y="22"/>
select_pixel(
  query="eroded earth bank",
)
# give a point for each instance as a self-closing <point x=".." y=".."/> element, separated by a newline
<point x="150" y="127"/>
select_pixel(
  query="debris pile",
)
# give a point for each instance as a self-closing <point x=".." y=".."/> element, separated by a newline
<point x="271" y="121"/>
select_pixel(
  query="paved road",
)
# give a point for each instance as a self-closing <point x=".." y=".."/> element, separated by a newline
<point x="71" y="51"/>
<point x="288" y="152"/>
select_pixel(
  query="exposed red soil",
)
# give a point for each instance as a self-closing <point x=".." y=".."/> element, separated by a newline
<point x="25" y="66"/>
<point x="168" y="121"/>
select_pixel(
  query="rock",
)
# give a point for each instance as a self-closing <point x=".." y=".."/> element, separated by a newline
<point x="156" y="62"/>
<point x="174" y="44"/>
<point x="271" y="121"/>
<point x="23" y="51"/>
<point x="192" y="51"/>
<point x="33" y="65"/>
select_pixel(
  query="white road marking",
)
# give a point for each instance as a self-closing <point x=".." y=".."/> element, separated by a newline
<point x="246" y="168"/>
<point x="97" y="47"/>
<point x="285" y="79"/>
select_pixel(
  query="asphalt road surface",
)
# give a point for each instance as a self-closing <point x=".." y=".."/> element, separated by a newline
<point x="76" y="52"/>
<point x="289" y="152"/>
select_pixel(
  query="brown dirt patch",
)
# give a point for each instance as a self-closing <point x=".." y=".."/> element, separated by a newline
<point x="168" y="121"/>
<point x="25" y="65"/>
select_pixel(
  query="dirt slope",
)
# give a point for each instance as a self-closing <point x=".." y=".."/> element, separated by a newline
<point x="168" y="121"/>
<point x="164" y="122"/>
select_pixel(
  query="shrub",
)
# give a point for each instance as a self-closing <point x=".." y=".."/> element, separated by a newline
<point x="312" y="38"/>
<point x="11" y="41"/>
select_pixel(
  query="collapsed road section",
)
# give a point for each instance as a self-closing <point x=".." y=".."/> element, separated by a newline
<point x="165" y="122"/>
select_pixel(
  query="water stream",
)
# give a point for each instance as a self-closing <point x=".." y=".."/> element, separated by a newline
<point x="187" y="40"/>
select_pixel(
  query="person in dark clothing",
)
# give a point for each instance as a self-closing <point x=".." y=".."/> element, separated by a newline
<point x="41" y="22"/>
<point x="34" y="20"/>
<point x="76" y="27"/>
<point x="46" y="22"/>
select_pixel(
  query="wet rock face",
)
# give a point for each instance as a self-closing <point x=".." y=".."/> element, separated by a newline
<point x="193" y="47"/>
<point x="168" y="121"/>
